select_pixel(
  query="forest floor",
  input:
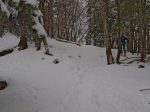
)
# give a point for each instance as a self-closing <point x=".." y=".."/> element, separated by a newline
<point x="80" y="82"/>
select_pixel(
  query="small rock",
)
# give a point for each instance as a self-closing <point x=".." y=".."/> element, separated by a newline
<point x="79" y="56"/>
<point x="141" y="66"/>
<point x="70" y="56"/>
<point x="50" y="54"/>
<point x="3" y="85"/>
<point x="56" y="61"/>
<point x="42" y="58"/>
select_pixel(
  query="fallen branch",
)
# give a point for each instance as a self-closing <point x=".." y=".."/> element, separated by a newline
<point x="148" y="89"/>
<point x="5" y="52"/>
<point x="62" y="40"/>
<point x="131" y="58"/>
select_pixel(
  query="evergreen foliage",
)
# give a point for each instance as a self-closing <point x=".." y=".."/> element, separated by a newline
<point x="20" y="20"/>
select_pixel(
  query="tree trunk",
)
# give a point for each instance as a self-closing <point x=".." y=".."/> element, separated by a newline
<point x="51" y="18"/>
<point x="142" y="32"/>
<point x="23" y="40"/>
<point x="39" y="42"/>
<point x="119" y="30"/>
<point x="148" y="42"/>
<point x="105" y="14"/>
<point x="131" y="39"/>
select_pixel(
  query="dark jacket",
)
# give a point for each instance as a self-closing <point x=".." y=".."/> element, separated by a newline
<point x="122" y="41"/>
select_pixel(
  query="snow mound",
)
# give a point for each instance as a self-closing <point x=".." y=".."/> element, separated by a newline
<point x="8" y="41"/>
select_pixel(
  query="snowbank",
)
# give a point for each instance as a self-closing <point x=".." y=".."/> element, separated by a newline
<point x="8" y="41"/>
<point x="81" y="82"/>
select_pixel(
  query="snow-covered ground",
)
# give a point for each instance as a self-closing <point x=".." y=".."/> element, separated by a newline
<point x="8" y="41"/>
<point x="81" y="82"/>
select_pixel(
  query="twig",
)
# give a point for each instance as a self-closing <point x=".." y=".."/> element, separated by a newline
<point x="148" y="89"/>
<point x="62" y="40"/>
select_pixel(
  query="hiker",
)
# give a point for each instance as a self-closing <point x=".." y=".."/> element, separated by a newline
<point x="122" y="42"/>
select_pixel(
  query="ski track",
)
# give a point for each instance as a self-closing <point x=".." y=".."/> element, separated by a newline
<point x="80" y="83"/>
<point x="86" y="96"/>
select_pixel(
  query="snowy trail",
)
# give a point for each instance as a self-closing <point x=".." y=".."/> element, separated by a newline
<point x="95" y="92"/>
<point x="103" y="88"/>
<point x="81" y="82"/>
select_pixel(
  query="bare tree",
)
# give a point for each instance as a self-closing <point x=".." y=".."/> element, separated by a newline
<point x="105" y="11"/>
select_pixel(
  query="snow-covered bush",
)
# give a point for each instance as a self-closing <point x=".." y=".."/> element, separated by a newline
<point x="24" y="19"/>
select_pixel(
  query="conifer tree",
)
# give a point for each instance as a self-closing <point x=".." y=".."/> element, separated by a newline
<point x="27" y="18"/>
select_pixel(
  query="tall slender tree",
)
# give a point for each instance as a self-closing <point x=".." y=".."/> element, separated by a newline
<point x="105" y="4"/>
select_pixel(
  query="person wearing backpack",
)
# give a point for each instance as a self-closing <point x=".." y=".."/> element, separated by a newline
<point x="122" y="42"/>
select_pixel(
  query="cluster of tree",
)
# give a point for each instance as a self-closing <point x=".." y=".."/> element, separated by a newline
<point x="96" y="22"/>
<point x="110" y="18"/>
<point x="63" y="19"/>
<point x="95" y="30"/>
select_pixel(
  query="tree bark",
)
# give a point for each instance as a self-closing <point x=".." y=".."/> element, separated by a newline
<point x="23" y="39"/>
<point x="142" y="32"/>
<point x="119" y="30"/>
<point x="105" y="15"/>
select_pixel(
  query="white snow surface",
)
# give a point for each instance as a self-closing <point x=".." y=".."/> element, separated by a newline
<point x="81" y="82"/>
<point x="8" y="41"/>
<point x="4" y="8"/>
<point x="32" y="2"/>
<point x="39" y="26"/>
